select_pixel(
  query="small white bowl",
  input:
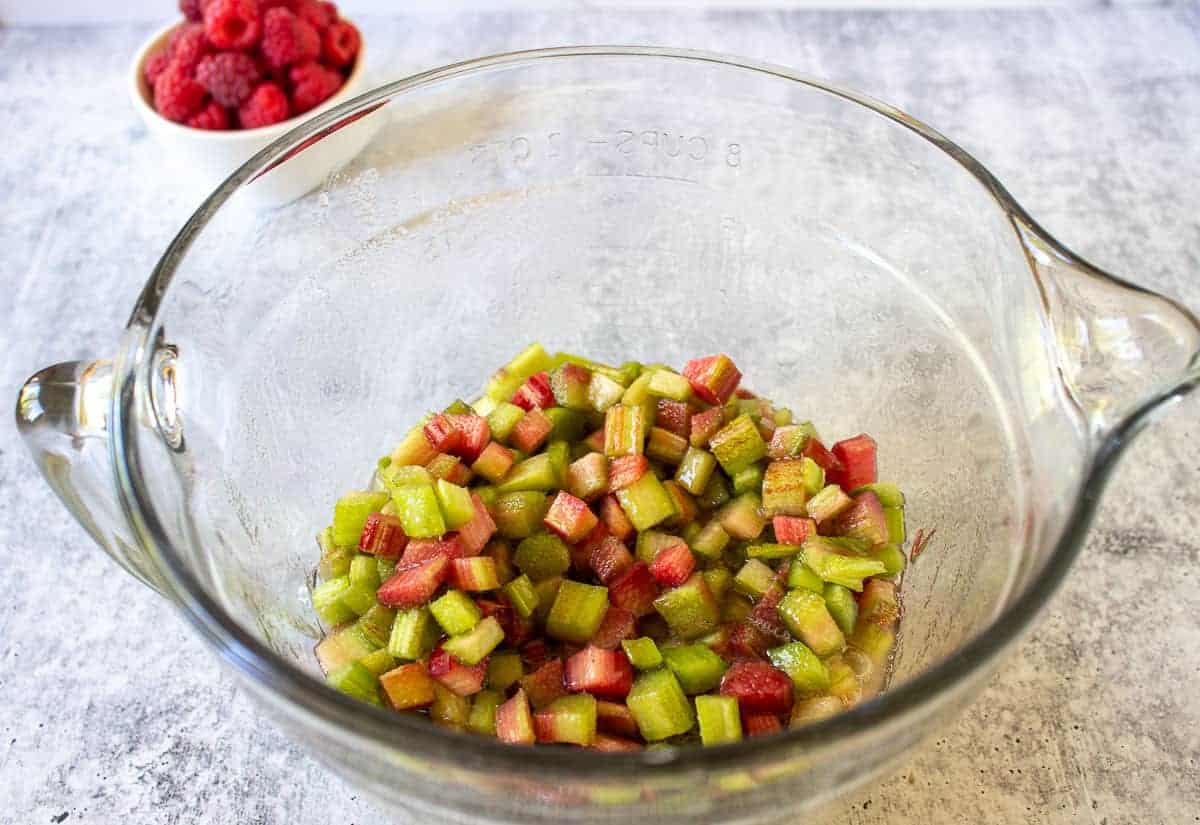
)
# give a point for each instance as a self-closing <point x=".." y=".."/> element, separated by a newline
<point x="208" y="157"/>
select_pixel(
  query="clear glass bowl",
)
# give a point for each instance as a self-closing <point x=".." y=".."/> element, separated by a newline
<point x="619" y="202"/>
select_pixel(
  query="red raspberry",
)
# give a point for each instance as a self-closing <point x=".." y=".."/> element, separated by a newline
<point x="193" y="9"/>
<point x="176" y="95"/>
<point x="187" y="45"/>
<point x="318" y="14"/>
<point x="154" y="66"/>
<point x="232" y="24"/>
<point x="290" y="5"/>
<point x="287" y="39"/>
<point x="312" y="85"/>
<point x="340" y="44"/>
<point x="267" y="104"/>
<point x="213" y="116"/>
<point x="230" y="77"/>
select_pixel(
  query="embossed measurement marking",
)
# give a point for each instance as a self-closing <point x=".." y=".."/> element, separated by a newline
<point x="676" y="151"/>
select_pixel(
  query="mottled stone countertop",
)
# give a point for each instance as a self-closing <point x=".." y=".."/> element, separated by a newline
<point x="114" y="712"/>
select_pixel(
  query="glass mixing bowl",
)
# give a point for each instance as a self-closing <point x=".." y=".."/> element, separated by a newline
<point x="619" y="202"/>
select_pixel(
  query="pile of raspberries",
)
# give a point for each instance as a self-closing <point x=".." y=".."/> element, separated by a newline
<point x="242" y="64"/>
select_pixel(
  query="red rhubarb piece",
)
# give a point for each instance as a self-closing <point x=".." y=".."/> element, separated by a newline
<point x="713" y="378"/>
<point x="442" y="435"/>
<point x="420" y="551"/>
<point x="514" y="722"/>
<point x="857" y="457"/>
<point x="414" y="586"/>
<point x="634" y="590"/>
<point x="530" y="431"/>
<point x="453" y="675"/>
<point x="535" y="392"/>
<point x="758" y="686"/>
<point x="614" y="518"/>
<point x="760" y="724"/>
<point x="602" y="673"/>
<point x="382" y="536"/>
<point x="618" y="624"/>
<point x="672" y="566"/>
<point x="626" y="469"/>
<point x="570" y="517"/>
<point x="475" y="435"/>
<point x="610" y="559"/>
<point x="792" y="529"/>
<point x="616" y="719"/>
<point x="474" y="535"/>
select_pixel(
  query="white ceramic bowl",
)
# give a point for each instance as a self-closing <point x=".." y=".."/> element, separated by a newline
<point x="207" y="157"/>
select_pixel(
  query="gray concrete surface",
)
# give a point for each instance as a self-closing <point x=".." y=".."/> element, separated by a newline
<point x="114" y="712"/>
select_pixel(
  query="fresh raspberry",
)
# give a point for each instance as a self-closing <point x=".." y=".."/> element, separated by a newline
<point x="213" y="116"/>
<point x="193" y="9"/>
<point x="187" y="45"/>
<point x="230" y="77"/>
<point x="287" y="39"/>
<point x="154" y="66"/>
<point x="232" y="24"/>
<point x="290" y="5"/>
<point x="312" y="85"/>
<point x="176" y="95"/>
<point x="340" y="43"/>
<point x="318" y="14"/>
<point x="267" y="104"/>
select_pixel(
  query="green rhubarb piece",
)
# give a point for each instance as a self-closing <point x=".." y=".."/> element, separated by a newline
<point x="413" y="449"/>
<point x="473" y="647"/>
<point x="569" y="425"/>
<point x="359" y="597"/>
<point x="806" y="670"/>
<point x="327" y="601"/>
<point x="665" y="446"/>
<point x="356" y="680"/>
<point x="829" y="503"/>
<point x="542" y="556"/>
<point x="642" y="653"/>
<point x="536" y="473"/>
<point x="815" y="709"/>
<point x="695" y="470"/>
<point x="449" y="709"/>
<point x="813" y="474"/>
<point x="482" y="719"/>
<point x="577" y="611"/>
<point x="719" y="579"/>
<point x="376" y="624"/>
<point x="659" y="706"/>
<point x="384" y="568"/>
<point x="604" y="392"/>
<point x="624" y="430"/>
<point x="716" y="492"/>
<point x="364" y="571"/>
<point x="875" y="642"/>
<point x="455" y="612"/>
<point x="893" y="560"/>
<point x="504" y="670"/>
<point x="754" y="578"/>
<point x="547" y="592"/>
<point x="782" y="416"/>
<point x="518" y="515"/>
<point x="697" y="668"/>
<point x="619" y="375"/>
<point x="710" y="541"/>
<point x="503" y="419"/>
<point x="809" y="620"/>
<point x="742" y="518"/>
<point x="484" y="405"/>
<point x="748" y="479"/>
<point x="889" y="494"/>
<point x="402" y="475"/>
<point x="719" y="719"/>
<point x="842" y="606"/>
<point x="783" y="490"/>
<point x="690" y="609"/>
<point x="350" y="514"/>
<point x="522" y="596"/>
<point x="574" y="719"/>
<point x="737" y="445"/>
<point x="569" y="383"/>
<point x="414" y="634"/>
<point x="664" y="384"/>
<point x="342" y="648"/>
<point x="843" y="682"/>
<point x="651" y="542"/>
<point x="799" y="575"/>
<point x="335" y="561"/>
<point x="378" y="662"/>
<point x="559" y="453"/>
<point x="458" y="407"/>
<point x="646" y="502"/>
<point x="509" y="378"/>
<point x="587" y="477"/>
<point x="823" y="556"/>
<point x="418" y="511"/>
<point x="735" y="608"/>
<point x="894" y="517"/>
<point x="772" y="551"/>
<point x="455" y="502"/>
<point x="638" y="391"/>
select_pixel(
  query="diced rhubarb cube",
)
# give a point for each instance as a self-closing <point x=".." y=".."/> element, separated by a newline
<point x="442" y="435"/>
<point x="475" y="435"/>
<point x="420" y="551"/>
<point x="626" y="469"/>
<point x="581" y="553"/>
<point x="673" y="565"/>
<point x="619" y="624"/>
<point x="475" y="534"/>
<point x="765" y="616"/>
<point x="758" y="686"/>
<point x="609" y="559"/>
<point x="829" y="462"/>
<point x="614" y="518"/>
<point x="407" y="687"/>
<point x="603" y="673"/>
<point x="545" y="684"/>
<point x="535" y="392"/>
<point x="744" y="394"/>
<point x="414" y="586"/>
<point x="570" y="517"/>
<point x="857" y="456"/>
<point x="382" y="536"/>
<point x="673" y="416"/>
<point x="587" y="478"/>
<point x="760" y="724"/>
<point x="747" y="642"/>
<point x="514" y="722"/>
<point x="864" y="520"/>
<point x="614" y="744"/>
<point x="634" y="590"/>
<point x="705" y="425"/>
<point x="569" y="384"/>
<point x="475" y="574"/>
<point x="534" y="653"/>
<point x="595" y="441"/>
<point x="454" y="675"/>
<point x="494" y="462"/>
<point x="531" y="431"/>
<point x="569" y="720"/>
<point x="713" y="378"/>
<point x="616" y="719"/>
<point x="450" y="468"/>
<point x="793" y="530"/>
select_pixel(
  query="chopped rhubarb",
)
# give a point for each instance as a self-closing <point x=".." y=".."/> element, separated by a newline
<point x="494" y="462"/>
<point x="615" y="520"/>
<point x="450" y="468"/>
<point x="614" y="718"/>
<point x="618" y="625"/>
<point x="570" y="720"/>
<point x="865" y="519"/>
<point x="569" y="386"/>
<point x="759" y="687"/>
<point x="570" y="517"/>
<point x="603" y="673"/>
<point x="857" y="457"/>
<point x="634" y="590"/>
<point x="609" y="559"/>
<point x="514" y="722"/>
<point x="420" y="551"/>
<point x="713" y="378"/>
<point x="442" y="435"/>
<point x="673" y="416"/>
<point x="415" y="586"/>
<point x="531" y="431"/>
<point x="673" y="565"/>
<point x="587" y="477"/>
<point x="382" y="536"/>
<point x="476" y="574"/>
<point x="625" y="470"/>
<point x="475" y="534"/>
<point x="793" y="530"/>
<point x="545" y="684"/>
<point x="760" y="724"/>
<point x="460" y="679"/>
<point x="826" y="460"/>
<point x="534" y="393"/>
<point x="407" y="687"/>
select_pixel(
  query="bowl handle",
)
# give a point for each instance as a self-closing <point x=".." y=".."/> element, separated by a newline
<point x="62" y="414"/>
<point x="1123" y="351"/>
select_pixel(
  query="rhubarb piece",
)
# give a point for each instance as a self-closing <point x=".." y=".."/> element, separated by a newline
<point x="828" y="504"/>
<point x="503" y="420"/>
<point x="414" y="634"/>
<point x="843" y="682"/>
<point x="533" y="474"/>
<point x="545" y="684"/>
<point x="413" y="449"/>
<point x="719" y="579"/>
<point x="705" y="425"/>
<point x="577" y="611"/>
<point x="673" y="416"/>
<point x="522" y="596"/>
<point x="350" y="515"/>
<point x="359" y="596"/>
<point x="542" y="556"/>
<point x="509" y="378"/>
<point x="619" y="624"/>
<point x="659" y="706"/>
<point x="603" y="673"/>
<point x="685" y="505"/>
<point x="801" y="576"/>
<point x="665" y="446"/>
<point x="569" y="720"/>
<point x="625" y="470"/>
<point x="395" y="476"/>
<point x="765" y="616"/>
<point x="519" y="515"/>
<point x="449" y="709"/>
<point x="450" y="468"/>
<point x="742" y="517"/>
<point x="713" y="379"/>
<point x="760" y="724"/>
<point x="788" y="442"/>
<point x="414" y="586"/>
<point x="455" y="504"/>
<point x="335" y="561"/>
<point x="363" y="571"/>
<point x="634" y="590"/>
<point x="603" y="392"/>
<point x="710" y="541"/>
<point x="748" y="480"/>
<point x="814" y="476"/>
<point x="807" y="672"/>
<point x="455" y="612"/>
<point x="570" y="517"/>
<point x="418" y="510"/>
<point x="645" y="502"/>
<point x="504" y="671"/>
<point x="420" y="551"/>
<point x="857" y="457"/>
<point x="382" y="536"/>
<point x="652" y="542"/>
<point x="357" y="681"/>
<point x="547" y="592"/>
<point x="531" y="431"/>
<point x="475" y="435"/>
<point x="514" y="722"/>
<point x="695" y="470"/>
<point x="892" y="558"/>
<point x="408" y="687"/>
<point x="342" y="648"/>
<point x="824" y="558"/>
<point x="642" y="653"/>
<point x="697" y="668"/>
<point x="783" y="489"/>
<point x="666" y="384"/>
<point x="758" y="686"/>
<point x="864" y="519"/>
<point x="894" y="518"/>
<point x="719" y="719"/>
<point x="535" y="393"/>
<point x="442" y="435"/>
<point x="638" y="392"/>
<point x="327" y="601"/>
<point x="610" y="559"/>
<point x="494" y="462"/>
<point x="615" y="719"/>
<point x="624" y="430"/>
<point x="754" y="578"/>
<point x="842" y="606"/>
<point x="587" y="478"/>
<point x="672" y="565"/>
<point x="460" y="679"/>
<point x="716" y="493"/>
<point x="815" y="710"/>
<point x="690" y="609"/>
<point x="376" y="624"/>
<point x="569" y="385"/>
<point x="474" y="535"/>
<point x="807" y="616"/>
<point x="737" y="445"/>
<point x="792" y="530"/>
<point x="771" y="551"/>
<point x="474" y="646"/>
<point x="482" y="719"/>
